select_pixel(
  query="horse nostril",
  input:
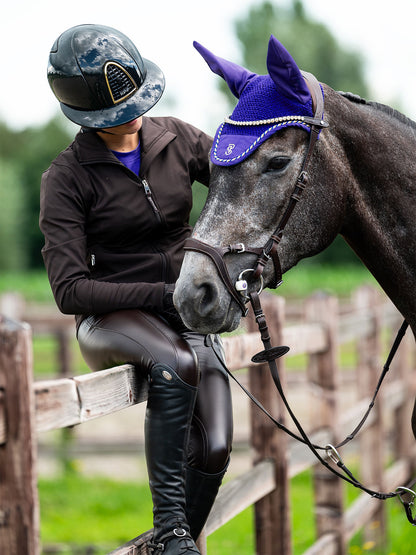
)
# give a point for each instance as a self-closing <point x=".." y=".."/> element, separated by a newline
<point x="206" y="298"/>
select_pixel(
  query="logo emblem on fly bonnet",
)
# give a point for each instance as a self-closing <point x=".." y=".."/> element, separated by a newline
<point x="266" y="103"/>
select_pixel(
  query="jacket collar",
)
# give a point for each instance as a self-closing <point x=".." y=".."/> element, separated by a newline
<point x="154" y="137"/>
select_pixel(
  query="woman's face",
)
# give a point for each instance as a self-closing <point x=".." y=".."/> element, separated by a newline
<point x="126" y="129"/>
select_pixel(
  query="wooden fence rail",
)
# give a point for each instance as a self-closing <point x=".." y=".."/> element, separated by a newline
<point x="28" y="408"/>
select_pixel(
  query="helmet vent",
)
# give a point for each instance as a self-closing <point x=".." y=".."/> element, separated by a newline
<point x="119" y="82"/>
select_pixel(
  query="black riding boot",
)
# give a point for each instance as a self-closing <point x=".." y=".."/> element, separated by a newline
<point x="201" y="490"/>
<point x="168" y="415"/>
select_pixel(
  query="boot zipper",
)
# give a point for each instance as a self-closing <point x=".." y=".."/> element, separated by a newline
<point x="149" y="197"/>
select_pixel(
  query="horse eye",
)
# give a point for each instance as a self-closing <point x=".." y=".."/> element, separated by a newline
<point x="277" y="164"/>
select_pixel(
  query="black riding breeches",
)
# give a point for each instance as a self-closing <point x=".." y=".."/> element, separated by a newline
<point x="145" y="339"/>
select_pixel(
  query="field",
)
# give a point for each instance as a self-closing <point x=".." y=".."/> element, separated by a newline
<point x="81" y="515"/>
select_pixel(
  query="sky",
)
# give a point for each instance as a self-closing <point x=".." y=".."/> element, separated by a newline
<point x="382" y="30"/>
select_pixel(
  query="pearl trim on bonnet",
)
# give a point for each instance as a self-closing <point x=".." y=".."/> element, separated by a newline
<point x="266" y="121"/>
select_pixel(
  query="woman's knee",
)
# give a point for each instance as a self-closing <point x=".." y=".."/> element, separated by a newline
<point x="186" y="364"/>
<point x="218" y="457"/>
<point x="139" y="338"/>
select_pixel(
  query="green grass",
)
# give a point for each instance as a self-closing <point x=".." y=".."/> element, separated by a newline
<point x="33" y="285"/>
<point x="79" y="511"/>
<point x="305" y="278"/>
<point x="298" y="282"/>
<point x="82" y="512"/>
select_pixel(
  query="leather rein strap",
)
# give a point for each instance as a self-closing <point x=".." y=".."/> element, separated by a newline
<point x="269" y="355"/>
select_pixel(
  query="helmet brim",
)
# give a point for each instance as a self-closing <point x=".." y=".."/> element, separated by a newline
<point x="138" y="104"/>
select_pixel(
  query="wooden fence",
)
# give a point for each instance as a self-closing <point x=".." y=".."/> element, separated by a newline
<point x="28" y="408"/>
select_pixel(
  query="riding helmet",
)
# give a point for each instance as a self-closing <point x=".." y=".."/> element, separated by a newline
<point x="100" y="78"/>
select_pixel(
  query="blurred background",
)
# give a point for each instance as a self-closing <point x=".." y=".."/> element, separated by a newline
<point x="364" y="47"/>
<point x="367" y="48"/>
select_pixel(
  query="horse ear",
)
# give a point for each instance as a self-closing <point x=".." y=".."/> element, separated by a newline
<point x="285" y="73"/>
<point x="234" y="75"/>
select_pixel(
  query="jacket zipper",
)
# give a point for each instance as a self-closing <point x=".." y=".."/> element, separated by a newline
<point x="149" y="196"/>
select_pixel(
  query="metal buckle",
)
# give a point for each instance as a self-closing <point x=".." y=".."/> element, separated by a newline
<point x="333" y="454"/>
<point x="401" y="490"/>
<point x="302" y="179"/>
<point x="238" y="248"/>
<point x="180" y="532"/>
<point x="241" y="284"/>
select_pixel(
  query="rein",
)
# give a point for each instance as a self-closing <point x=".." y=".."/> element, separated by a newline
<point x="269" y="355"/>
<point x="238" y="291"/>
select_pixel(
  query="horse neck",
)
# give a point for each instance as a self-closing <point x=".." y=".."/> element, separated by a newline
<point x="380" y="180"/>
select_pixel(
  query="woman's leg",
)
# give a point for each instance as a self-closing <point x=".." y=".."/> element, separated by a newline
<point x="148" y="342"/>
<point x="136" y="337"/>
<point x="211" y="431"/>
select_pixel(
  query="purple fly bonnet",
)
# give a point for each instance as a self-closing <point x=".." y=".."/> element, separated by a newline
<point x="266" y="103"/>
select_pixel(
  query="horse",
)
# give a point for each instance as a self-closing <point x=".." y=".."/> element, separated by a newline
<point x="361" y="184"/>
<point x="296" y="164"/>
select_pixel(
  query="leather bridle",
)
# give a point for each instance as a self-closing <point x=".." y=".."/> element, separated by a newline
<point x="269" y="251"/>
<point x="238" y="291"/>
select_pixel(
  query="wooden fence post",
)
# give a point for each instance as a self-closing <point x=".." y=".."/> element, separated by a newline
<point x="402" y="372"/>
<point x="369" y="366"/>
<point x="272" y="513"/>
<point x="323" y="375"/>
<point x="19" y="508"/>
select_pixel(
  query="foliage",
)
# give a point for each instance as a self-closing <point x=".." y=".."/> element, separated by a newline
<point x="13" y="255"/>
<point x="310" y="43"/>
<point x="24" y="155"/>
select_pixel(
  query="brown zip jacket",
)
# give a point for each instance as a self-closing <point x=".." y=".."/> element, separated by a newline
<point x="113" y="239"/>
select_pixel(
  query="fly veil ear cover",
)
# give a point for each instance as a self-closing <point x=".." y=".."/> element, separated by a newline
<point x="267" y="103"/>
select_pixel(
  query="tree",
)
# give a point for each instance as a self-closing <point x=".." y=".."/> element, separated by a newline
<point x="13" y="254"/>
<point x="24" y="156"/>
<point x="315" y="50"/>
<point x="310" y="43"/>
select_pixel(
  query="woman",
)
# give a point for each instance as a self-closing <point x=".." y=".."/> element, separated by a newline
<point x="114" y="212"/>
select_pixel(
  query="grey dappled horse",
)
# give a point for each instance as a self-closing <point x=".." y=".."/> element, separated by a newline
<point x="362" y="185"/>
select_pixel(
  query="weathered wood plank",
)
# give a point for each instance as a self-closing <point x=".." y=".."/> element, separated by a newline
<point x="19" y="507"/>
<point x="71" y="401"/>
<point x="2" y="418"/>
<point x="137" y="546"/>
<point x="57" y="404"/>
<point x="326" y="545"/>
<point x="302" y="339"/>
<point x="109" y="390"/>
<point x="240" y="493"/>
<point x="323" y="372"/>
<point x="306" y="339"/>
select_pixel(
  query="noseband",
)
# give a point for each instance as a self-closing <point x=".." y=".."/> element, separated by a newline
<point x="238" y="290"/>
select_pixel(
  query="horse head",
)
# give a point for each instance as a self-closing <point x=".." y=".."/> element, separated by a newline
<point x="257" y="157"/>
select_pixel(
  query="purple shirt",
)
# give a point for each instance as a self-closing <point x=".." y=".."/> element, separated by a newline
<point x="130" y="159"/>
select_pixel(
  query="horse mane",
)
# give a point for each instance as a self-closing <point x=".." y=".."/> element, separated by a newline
<point x="378" y="106"/>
